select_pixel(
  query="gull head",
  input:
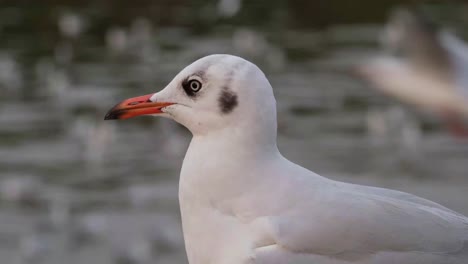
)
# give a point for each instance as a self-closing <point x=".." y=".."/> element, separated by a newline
<point x="215" y="93"/>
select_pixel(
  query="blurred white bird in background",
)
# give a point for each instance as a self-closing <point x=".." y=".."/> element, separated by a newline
<point x="242" y="202"/>
<point x="229" y="8"/>
<point x="427" y="68"/>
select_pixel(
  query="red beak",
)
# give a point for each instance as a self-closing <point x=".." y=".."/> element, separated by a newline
<point x="136" y="106"/>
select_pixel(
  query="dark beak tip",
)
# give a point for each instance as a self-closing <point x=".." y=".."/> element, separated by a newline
<point x="111" y="115"/>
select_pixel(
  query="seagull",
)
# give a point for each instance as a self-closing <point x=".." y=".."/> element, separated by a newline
<point x="242" y="202"/>
<point x="432" y="71"/>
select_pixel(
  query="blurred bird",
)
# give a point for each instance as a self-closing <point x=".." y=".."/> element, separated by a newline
<point x="229" y="8"/>
<point x="430" y="71"/>
<point x="71" y="25"/>
<point x="242" y="202"/>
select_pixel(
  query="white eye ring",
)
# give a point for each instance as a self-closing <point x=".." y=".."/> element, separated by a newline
<point x="195" y="85"/>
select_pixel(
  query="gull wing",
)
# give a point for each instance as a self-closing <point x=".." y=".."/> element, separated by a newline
<point x="347" y="224"/>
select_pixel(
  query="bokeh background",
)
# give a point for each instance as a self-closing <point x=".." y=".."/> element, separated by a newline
<point x="76" y="189"/>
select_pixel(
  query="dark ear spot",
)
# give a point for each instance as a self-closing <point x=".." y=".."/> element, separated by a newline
<point x="227" y="101"/>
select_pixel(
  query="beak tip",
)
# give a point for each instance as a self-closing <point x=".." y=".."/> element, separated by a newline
<point x="111" y="115"/>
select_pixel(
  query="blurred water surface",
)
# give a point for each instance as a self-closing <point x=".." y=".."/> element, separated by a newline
<point x="75" y="189"/>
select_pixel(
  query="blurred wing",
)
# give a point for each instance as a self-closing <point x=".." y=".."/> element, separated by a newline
<point x="458" y="52"/>
<point x="396" y="78"/>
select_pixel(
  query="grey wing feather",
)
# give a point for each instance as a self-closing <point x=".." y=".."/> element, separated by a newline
<point x="364" y="224"/>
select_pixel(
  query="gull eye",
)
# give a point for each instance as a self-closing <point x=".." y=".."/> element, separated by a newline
<point x="191" y="87"/>
<point x="194" y="85"/>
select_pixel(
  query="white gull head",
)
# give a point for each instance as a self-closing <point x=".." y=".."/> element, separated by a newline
<point x="217" y="94"/>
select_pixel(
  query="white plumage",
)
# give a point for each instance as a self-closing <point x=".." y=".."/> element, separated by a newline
<point x="242" y="202"/>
